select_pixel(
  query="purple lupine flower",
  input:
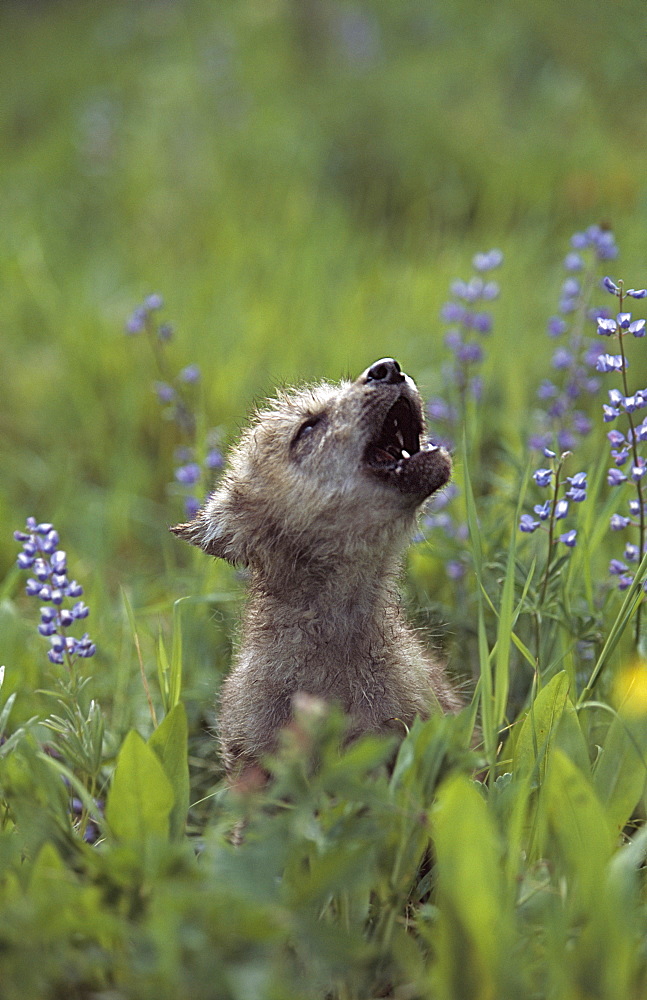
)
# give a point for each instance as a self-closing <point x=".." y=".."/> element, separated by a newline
<point x="136" y="321"/>
<point x="165" y="392"/>
<point x="52" y="587"/>
<point x="527" y="524"/>
<point x="581" y="422"/>
<point x="456" y="570"/>
<point x="542" y="476"/>
<point x="605" y="246"/>
<point x="620" y="457"/>
<point x="617" y="522"/>
<point x="566" y="439"/>
<point x="479" y="321"/>
<point x="547" y="390"/>
<point x="615" y="477"/>
<point x="214" y="459"/>
<point x="573" y="358"/>
<point x="487" y="261"/>
<point x="571" y="288"/>
<point x="470" y="353"/>
<point x="611" y="363"/>
<point x="191" y="507"/>
<point x="573" y="262"/>
<point x="569" y="538"/>
<point x="452" y="312"/>
<point x="463" y="311"/>
<point x="470" y="324"/>
<point x="579" y="241"/>
<point x="562" y="359"/>
<point x="438" y="409"/>
<point x="190" y="374"/>
<point x="490" y="291"/>
<point x="556" y="326"/>
<point x="189" y="474"/>
<point x="607" y="327"/>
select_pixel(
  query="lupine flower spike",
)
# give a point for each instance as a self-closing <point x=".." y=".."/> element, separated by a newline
<point x="81" y="732"/>
<point x="176" y="393"/>
<point x="555" y="508"/>
<point x="627" y="444"/>
<point x="470" y="322"/>
<point x="562" y="418"/>
<point x="61" y="608"/>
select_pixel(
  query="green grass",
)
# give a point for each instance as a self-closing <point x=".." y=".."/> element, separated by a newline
<point x="303" y="210"/>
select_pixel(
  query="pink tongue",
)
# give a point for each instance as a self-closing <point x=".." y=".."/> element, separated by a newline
<point x="383" y="456"/>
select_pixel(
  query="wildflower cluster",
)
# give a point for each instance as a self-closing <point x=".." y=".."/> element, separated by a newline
<point x="629" y="465"/>
<point x="193" y="469"/>
<point x="562" y="419"/>
<point x="192" y="476"/>
<point x="50" y="584"/>
<point x="555" y="508"/>
<point x="469" y="323"/>
<point x="171" y="390"/>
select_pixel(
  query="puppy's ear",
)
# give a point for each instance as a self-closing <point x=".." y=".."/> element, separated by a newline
<point x="214" y="530"/>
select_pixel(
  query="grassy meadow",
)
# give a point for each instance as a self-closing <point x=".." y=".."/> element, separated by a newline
<point x="303" y="182"/>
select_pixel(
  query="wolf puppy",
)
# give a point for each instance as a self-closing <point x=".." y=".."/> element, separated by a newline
<point x="319" y="500"/>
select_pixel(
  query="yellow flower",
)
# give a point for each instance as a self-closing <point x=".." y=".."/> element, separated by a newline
<point x="630" y="689"/>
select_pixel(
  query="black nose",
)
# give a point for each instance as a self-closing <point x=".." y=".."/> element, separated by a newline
<point x="386" y="370"/>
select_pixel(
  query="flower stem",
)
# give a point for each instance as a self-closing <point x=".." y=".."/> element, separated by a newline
<point x="551" y="529"/>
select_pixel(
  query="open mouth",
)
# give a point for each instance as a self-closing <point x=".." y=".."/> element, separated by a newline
<point x="398" y="439"/>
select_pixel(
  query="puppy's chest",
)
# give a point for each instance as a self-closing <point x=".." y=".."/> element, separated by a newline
<point x="356" y="667"/>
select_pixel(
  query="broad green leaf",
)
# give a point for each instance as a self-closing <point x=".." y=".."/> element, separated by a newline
<point x="619" y="775"/>
<point x="570" y="738"/>
<point x="578" y="824"/>
<point x="141" y="796"/>
<point x="47" y="864"/>
<point x="472" y="923"/>
<point x="170" y="743"/>
<point x="539" y="727"/>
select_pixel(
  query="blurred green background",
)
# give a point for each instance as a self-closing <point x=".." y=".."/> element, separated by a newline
<point x="300" y="180"/>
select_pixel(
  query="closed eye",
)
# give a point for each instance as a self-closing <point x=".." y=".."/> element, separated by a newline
<point x="307" y="427"/>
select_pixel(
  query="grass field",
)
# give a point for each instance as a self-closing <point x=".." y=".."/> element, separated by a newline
<point x="302" y="181"/>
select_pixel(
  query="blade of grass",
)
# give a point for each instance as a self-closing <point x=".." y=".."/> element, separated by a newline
<point x="133" y="629"/>
<point x="629" y="606"/>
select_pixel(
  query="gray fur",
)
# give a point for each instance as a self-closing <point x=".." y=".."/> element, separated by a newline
<point x="321" y="515"/>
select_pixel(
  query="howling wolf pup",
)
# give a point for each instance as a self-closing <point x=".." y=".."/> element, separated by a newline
<point x="319" y="500"/>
